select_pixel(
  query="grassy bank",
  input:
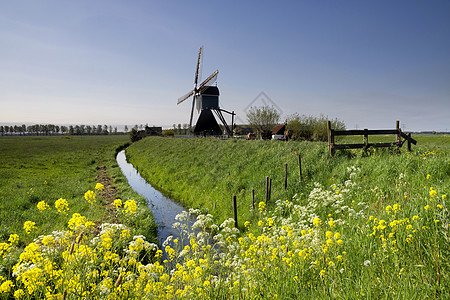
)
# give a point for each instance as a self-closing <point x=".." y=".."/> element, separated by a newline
<point x="35" y="169"/>
<point x="359" y="226"/>
<point x="206" y="173"/>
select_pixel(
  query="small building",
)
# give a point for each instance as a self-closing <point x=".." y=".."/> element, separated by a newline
<point x="278" y="132"/>
<point x="153" y="131"/>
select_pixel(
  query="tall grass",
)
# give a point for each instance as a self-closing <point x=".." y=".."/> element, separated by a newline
<point x="35" y="169"/>
<point x="361" y="226"/>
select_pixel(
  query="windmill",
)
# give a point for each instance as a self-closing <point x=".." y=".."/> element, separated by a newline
<point x="207" y="97"/>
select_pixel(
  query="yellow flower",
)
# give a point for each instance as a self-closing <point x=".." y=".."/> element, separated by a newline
<point x="6" y="286"/>
<point x="99" y="186"/>
<point x="316" y="221"/>
<point x="269" y="222"/>
<point x="13" y="238"/>
<point x="426" y="207"/>
<point x="62" y="205"/>
<point x="331" y="223"/>
<point x="428" y="176"/>
<point x="42" y="205"/>
<point x="261" y="206"/>
<point x="130" y="206"/>
<point x="329" y="242"/>
<point x="328" y="234"/>
<point x="388" y="209"/>
<point x="118" y="203"/>
<point x="439" y="206"/>
<point x="433" y="192"/>
<point x="415" y="218"/>
<point x="19" y="294"/>
<point x="28" y="226"/>
<point x="90" y="197"/>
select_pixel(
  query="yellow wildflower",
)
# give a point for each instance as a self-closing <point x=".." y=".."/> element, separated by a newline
<point x="316" y="221"/>
<point x="28" y="226"/>
<point x="13" y="238"/>
<point x="42" y="205"/>
<point x="118" y="203"/>
<point x="62" y="205"/>
<point x="6" y="286"/>
<point x="90" y="197"/>
<point x="130" y="206"/>
<point x="99" y="186"/>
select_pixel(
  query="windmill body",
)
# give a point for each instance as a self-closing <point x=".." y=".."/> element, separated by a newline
<point x="207" y="97"/>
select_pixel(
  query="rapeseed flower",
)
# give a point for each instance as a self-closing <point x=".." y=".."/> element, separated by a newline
<point x="62" y="205"/>
<point x="90" y="197"/>
<point x="42" y="205"/>
<point x="118" y="203"/>
<point x="28" y="226"/>
<point x="130" y="206"/>
<point x="99" y="186"/>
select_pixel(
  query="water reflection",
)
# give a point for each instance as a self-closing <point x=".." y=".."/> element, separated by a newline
<point x="164" y="209"/>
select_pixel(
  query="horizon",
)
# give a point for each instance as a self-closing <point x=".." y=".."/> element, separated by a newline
<point x="109" y="62"/>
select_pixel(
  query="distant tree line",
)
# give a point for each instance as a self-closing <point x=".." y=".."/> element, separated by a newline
<point x="50" y="129"/>
<point x="180" y="129"/>
<point x="310" y="128"/>
<point x="298" y="127"/>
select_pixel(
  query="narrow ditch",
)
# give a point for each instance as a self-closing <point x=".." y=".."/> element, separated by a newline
<point x="164" y="209"/>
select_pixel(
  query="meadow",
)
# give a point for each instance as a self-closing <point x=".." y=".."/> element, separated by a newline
<point x="371" y="225"/>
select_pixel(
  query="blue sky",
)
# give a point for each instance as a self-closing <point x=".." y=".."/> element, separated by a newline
<point x="367" y="63"/>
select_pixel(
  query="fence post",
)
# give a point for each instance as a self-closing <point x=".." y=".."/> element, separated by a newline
<point x="285" y="175"/>
<point x="366" y="139"/>
<point x="235" y="212"/>
<point x="397" y="127"/>
<point x="270" y="188"/>
<point x="330" y="139"/>
<point x="300" y="167"/>
<point x="253" y="199"/>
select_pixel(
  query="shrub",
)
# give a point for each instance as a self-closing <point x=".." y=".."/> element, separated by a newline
<point x="168" y="132"/>
<point x="311" y="128"/>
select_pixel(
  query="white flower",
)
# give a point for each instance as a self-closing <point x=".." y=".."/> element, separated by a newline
<point x="367" y="263"/>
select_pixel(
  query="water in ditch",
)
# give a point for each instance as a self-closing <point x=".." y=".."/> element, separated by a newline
<point x="164" y="209"/>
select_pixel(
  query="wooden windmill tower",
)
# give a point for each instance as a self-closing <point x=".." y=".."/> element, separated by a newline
<point x="207" y="97"/>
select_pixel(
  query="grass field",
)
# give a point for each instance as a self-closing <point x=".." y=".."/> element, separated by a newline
<point x="34" y="169"/>
<point x="207" y="173"/>
<point x="361" y="225"/>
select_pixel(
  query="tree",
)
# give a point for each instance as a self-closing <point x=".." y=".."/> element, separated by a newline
<point x="263" y="119"/>
<point x="311" y="128"/>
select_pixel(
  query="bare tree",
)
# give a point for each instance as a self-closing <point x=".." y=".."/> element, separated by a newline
<point x="263" y="119"/>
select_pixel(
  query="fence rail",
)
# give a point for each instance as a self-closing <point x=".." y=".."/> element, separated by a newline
<point x="332" y="146"/>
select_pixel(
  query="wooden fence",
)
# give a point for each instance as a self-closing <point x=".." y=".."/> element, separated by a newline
<point x="332" y="146"/>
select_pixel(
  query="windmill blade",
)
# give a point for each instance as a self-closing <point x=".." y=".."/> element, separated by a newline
<point x="210" y="80"/>
<point x="197" y="71"/>
<point x="181" y="99"/>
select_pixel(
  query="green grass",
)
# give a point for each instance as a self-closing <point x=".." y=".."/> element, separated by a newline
<point x="206" y="173"/>
<point x="361" y="225"/>
<point x="34" y="169"/>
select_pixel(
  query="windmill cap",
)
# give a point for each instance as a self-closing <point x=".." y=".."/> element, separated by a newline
<point x="210" y="90"/>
